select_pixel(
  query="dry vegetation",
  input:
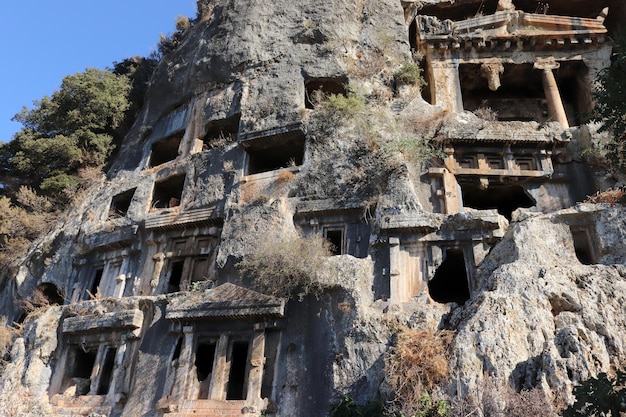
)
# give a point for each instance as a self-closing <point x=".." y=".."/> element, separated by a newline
<point x="287" y="267"/>
<point x="415" y="365"/>
<point x="496" y="398"/>
<point x="612" y="197"/>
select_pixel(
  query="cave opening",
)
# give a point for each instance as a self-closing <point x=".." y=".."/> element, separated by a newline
<point x="450" y="283"/>
<point x="52" y="294"/>
<point x="582" y="247"/>
<point x="504" y="198"/>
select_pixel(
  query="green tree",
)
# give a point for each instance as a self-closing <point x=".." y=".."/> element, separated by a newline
<point x="76" y="127"/>
<point x="610" y="106"/>
<point x="601" y="396"/>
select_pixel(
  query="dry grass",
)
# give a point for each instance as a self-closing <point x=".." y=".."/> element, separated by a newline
<point x="285" y="176"/>
<point x="415" y="365"/>
<point x="612" y="197"/>
<point x="495" y="398"/>
<point x="287" y="267"/>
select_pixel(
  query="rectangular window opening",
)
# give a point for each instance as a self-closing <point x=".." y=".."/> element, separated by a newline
<point x="168" y="192"/>
<point x="165" y="150"/>
<point x="176" y="275"/>
<point x="582" y="247"/>
<point x="221" y="132"/>
<point x="335" y="238"/>
<point x="285" y="155"/>
<point x="120" y="204"/>
<point x="205" y="357"/>
<point x="80" y="363"/>
<point x="238" y="368"/>
<point x="519" y="97"/>
<point x="97" y="278"/>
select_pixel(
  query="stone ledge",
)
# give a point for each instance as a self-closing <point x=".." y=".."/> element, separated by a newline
<point x="126" y="320"/>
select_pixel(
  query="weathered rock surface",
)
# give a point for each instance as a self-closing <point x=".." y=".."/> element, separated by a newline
<point x="485" y="237"/>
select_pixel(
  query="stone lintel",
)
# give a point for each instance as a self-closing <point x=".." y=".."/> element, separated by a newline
<point x="268" y="138"/>
<point x="125" y="320"/>
<point x="120" y="238"/>
<point x="228" y="310"/>
<point x="425" y="223"/>
<point x="175" y="219"/>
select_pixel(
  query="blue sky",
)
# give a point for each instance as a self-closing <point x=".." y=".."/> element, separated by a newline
<point x="42" y="41"/>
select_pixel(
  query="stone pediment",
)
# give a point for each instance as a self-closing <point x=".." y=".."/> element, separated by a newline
<point x="225" y="302"/>
<point x="511" y="26"/>
<point x="465" y="128"/>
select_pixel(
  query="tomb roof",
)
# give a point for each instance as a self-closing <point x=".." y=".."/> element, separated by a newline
<point x="225" y="302"/>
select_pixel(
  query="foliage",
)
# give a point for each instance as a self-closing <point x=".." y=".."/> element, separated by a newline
<point x="494" y="397"/>
<point x="409" y="74"/>
<point x="340" y="105"/>
<point x="601" y="396"/>
<point x="287" y="267"/>
<point x="417" y="150"/>
<point x="415" y="364"/>
<point x="346" y="407"/>
<point x="20" y="225"/>
<point x="610" y="106"/>
<point x="74" y="128"/>
<point x="427" y="407"/>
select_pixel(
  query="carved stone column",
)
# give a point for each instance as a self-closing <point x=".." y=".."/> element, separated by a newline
<point x="395" y="284"/>
<point x="159" y="259"/>
<point x="447" y="86"/>
<point x="551" y="91"/>
<point x="257" y="360"/>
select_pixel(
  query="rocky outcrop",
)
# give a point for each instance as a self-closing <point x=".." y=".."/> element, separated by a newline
<point x="274" y="121"/>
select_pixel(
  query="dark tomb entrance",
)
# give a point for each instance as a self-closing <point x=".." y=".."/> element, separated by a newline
<point x="504" y="198"/>
<point x="450" y="283"/>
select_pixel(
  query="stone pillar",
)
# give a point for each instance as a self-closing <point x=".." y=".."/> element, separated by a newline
<point x="395" y="285"/>
<point x="551" y="91"/>
<point x="119" y="378"/>
<point x="120" y="279"/>
<point x="159" y="259"/>
<point x="452" y="195"/>
<point x="447" y="88"/>
<point x="217" y="391"/>
<point x="257" y="360"/>
<point x="182" y="388"/>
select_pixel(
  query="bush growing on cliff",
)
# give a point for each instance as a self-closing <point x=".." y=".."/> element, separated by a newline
<point x="287" y="267"/>
<point x="610" y="107"/>
<point x="415" y="365"/>
<point x="409" y="74"/>
<point x="601" y="396"/>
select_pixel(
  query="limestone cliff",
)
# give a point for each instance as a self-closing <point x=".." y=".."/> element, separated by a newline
<point x="454" y="203"/>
